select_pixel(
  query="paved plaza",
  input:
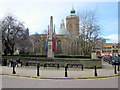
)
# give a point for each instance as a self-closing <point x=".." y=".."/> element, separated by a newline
<point x="53" y="72"/>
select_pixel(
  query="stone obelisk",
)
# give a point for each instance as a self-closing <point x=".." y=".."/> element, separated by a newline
<point x="50" y="51"/>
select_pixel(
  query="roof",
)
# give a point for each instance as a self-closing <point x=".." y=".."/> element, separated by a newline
<point x="62" y="29"/>
<point x="63" y="32"/>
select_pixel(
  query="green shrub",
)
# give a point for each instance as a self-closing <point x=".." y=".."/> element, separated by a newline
<point x="33" y="55"/>
<point x="56" y="56"/>
<point x="71" y="56"/>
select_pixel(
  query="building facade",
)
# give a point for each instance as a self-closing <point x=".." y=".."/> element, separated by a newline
<point x="111" y="48"/>
<point x="67" y="38"/>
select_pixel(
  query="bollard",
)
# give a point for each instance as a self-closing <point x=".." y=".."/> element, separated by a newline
<point x="45" y="65"/>
<point x="38" y="69"/>
<point x="82" y="67"/>
<point x="118" y="68"/>
<point x="115" y="71"/>
<point x="21" y="64"/>
<point x="14" y="68"/>
<point x="66" y="71"/>
<point x="58" y="66"/>
<point x="11" y="63"/>
<point x="95" y="71"/>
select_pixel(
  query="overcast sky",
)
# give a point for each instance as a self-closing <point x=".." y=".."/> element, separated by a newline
<point x="36" y="14"/>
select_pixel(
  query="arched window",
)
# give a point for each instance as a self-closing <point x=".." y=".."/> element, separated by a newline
<point x="59" y="47"/>
<point x="76" y="48"/>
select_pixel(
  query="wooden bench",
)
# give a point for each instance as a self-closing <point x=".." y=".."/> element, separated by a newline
<point x="31" y="63"/>
<point x="75" y="65"/>
<point x="51" y="64"/>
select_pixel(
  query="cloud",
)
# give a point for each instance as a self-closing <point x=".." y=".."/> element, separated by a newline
<point x="36" y="15"/>
<point x="113" y="38"/>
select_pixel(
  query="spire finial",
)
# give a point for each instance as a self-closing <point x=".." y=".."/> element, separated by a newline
<point x="72" y="12"/>
<point x="72" y="6"/>
<point x="62" y="25"/>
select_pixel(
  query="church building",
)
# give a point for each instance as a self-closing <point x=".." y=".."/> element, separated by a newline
<point x="67" y="38"/>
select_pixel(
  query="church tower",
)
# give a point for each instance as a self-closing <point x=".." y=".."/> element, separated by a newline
<point x="72" y="23"/>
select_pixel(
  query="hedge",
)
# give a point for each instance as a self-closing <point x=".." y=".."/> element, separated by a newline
<point x="56" y="56"/>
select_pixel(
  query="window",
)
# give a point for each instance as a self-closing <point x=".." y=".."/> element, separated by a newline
<point x="59" y="47"/>
<point x="106" y="47"/>
<point x="103" y="51"/>
<point x="108" y="51"/>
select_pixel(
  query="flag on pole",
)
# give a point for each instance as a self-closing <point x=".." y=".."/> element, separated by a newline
<point x="47" y="37"/>
<point x="54" y="41"/>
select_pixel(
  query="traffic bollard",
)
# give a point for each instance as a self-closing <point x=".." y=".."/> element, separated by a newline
<point x="66" y="71"/>
<point x="82" y="67"/>
<point x="45" y="65"/>
<point x="11" y="63"/>
<point x="95" y="70"/>
<point x="115" y="71"/>
<point x="21" y="64"/>
<point x="118" y="68"/>
<point x="38" y="65"/>
<point x="14" y="68"/>
<point x="58" y="66"/>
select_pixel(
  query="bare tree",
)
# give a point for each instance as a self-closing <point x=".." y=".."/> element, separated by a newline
<point x="23" y="44"/>
<point x="35" y="42"/>
<point x="89" y="31"/>
<point x="13" y="33"/>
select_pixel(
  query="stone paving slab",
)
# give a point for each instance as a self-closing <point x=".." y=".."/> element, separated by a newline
<point x="53" y="72"/>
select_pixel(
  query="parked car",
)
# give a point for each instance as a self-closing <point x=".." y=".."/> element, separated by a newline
<point x="115" y="60"/>
<point x="107" y="58"/>
<point x="99" y="56"/>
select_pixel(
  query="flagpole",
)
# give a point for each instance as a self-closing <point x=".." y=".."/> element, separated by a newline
<point x="47" y="37"/>
<point x="48" y="27"/>
<point x="54" y="40"/>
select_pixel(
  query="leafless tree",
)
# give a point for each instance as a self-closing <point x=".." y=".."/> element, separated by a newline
<point x="13" y="34"/>
<point x="89" y="31"/>
<point x="35" y="43"/>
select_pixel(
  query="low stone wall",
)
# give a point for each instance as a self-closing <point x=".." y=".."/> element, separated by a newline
<point x="87" y="63"/>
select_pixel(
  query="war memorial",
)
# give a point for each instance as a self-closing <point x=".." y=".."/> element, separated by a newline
<point x="66" y="62"/>
<point x="51" y="60"/>
<point x="86" y="62"/>
<point x="66" y="42"/>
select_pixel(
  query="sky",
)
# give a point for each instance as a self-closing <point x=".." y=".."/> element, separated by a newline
<point x="35" y="14"/>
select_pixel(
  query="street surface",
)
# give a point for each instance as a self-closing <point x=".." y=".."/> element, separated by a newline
<point x="25" y="81"/>
<point x="53" y="72"/>
<point x="20" y="82"/>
